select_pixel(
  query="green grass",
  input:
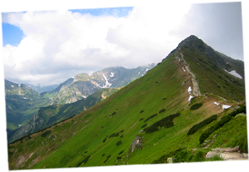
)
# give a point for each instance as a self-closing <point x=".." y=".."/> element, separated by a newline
<point x="196" y="106"/>
<point x="105" y="136"/>
<point x="244" y="144"/>
<point x="196" y="127"/>
<point x="53" y="114"/>
<point x="127" y="105"/>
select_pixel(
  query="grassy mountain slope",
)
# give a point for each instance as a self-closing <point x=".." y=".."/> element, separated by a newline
<point x="209" y="67"/>
<point x="237" y="65"/>
<point x="156" y="103"/>
<point x="121" y="111"/>
<point x="49" y="115"/>
<point x="21" y="104"/>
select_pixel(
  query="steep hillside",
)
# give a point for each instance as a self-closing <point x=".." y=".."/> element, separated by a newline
<point x="50" y="115"/>
<point x="163" y="114"/>
<point x="83" y="85"/>
<point x="211" y="69"/>
<point x="236" y="65"/>
<point x="21" y="104"/>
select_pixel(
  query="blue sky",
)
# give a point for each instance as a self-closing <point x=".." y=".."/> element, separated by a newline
<point x="13" y="35"/>
<point x="118" y="11"/>
<point x="48" y="47"/>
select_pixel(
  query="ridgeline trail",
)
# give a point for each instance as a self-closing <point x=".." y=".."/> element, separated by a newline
<point x="196" y="90"/>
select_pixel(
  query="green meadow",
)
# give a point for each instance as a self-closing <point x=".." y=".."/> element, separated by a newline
<point x="154" y="108"/>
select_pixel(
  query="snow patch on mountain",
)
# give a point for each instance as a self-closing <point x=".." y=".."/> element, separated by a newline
<point x="234" y="73"/>
<point x="107" y="84"/>
<point x="90" y="74"/>
<point x="190" y="97"/>
<point x="189" y="89"/>
<point x="225" y="106"/>
<point x="12" y="86"/>
<point x="216" y="103"/>
<point x="112" y="74"/>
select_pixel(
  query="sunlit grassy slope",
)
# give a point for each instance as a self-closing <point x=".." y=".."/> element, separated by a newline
<point x="49" y="115"/>
<point x="102" y="135"/>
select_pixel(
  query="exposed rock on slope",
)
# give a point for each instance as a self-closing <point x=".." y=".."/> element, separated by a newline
<point x="228" y="153"/>
<point x="136" y="143"/>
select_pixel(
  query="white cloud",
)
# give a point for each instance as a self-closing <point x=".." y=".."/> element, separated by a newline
<point x="59" y="42"/>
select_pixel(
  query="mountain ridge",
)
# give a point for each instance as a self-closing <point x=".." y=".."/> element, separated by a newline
<point x="83" y="85"/>
<point x="65" y="93"/>
<point x="146" y="121"/>
<point x="21" y="103"/>
<point x="196" y="52"/>
<point x="220" y="59"/>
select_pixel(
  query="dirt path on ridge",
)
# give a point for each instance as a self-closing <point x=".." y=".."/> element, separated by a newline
<point x="196" y="90"/>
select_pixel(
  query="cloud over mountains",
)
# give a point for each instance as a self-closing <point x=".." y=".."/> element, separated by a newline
<point x="60" y="44"/>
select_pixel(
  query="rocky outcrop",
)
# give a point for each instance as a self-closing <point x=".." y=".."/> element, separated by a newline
<point x="227" y="154"/>
<point x="136" y="143"/>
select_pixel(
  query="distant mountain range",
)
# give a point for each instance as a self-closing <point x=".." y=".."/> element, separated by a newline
<point x="23" y="103"/>
<point x="50" y="115"/>
<point x="83" y="85"/>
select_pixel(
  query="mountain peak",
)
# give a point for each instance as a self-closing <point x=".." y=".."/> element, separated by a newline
<point x="191" y="38"/>
<point x="193" y="43"/>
